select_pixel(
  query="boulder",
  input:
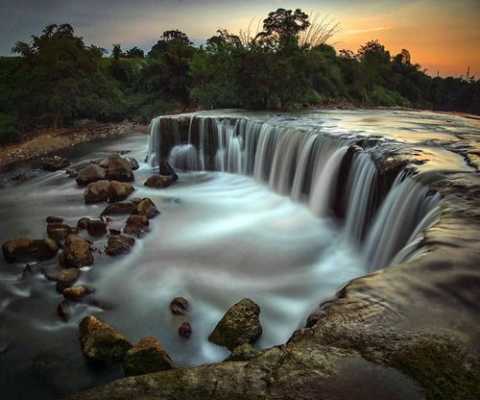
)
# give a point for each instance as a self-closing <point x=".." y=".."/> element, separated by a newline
<point x="77" y="252"/>
<point x="133" y="163"/>
<point x="54" y="220"/>
<point x="159" y="181"/>
<point x="118" y="168"/>
<point x="119" y="191"/>
<point x="240" y="325"/>
<point x="100" y="342"/>
<point x="83" y="223"/>
<point x="101" y="191"/>
<point x="119" y="244"/>
<point x="77" y="293"/>
<point x="64" y="310"/>
<point x="96" y="227"/>
<point x="185" y="330"/>
<point x="89" y="174"/>
<point x="179" y="306"/>
<point x="54" y="163"/>
<point x="136" y="225"/>
<point x="243" y="352"/>
<point x="119" y="208"/>
<point x="145" y="357"/>
<point x="166" y="169"/>
<point x="25" y="250"/>
<point x="147" y="208"/>
<point x="59" y="232"/>
<point x="64" y="277"/>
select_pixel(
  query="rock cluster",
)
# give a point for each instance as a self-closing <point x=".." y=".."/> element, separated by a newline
<point x="25" y="250"/>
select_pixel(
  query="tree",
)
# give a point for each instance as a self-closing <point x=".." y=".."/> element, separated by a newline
<point x="284" y="25"/>
<point x="172" y="38"/>
<point x="135" y="52"/>
<point x="117" y="52"/>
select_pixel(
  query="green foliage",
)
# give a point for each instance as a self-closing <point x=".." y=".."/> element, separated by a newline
<point x="8" y="130"/>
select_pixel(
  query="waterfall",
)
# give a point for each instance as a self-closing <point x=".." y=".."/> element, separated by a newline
<point x="311" y="167"/>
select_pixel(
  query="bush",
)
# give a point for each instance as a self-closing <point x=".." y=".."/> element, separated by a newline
<point x="8" y="129"/>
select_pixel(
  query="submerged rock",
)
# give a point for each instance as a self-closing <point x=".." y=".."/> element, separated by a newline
<point x="119" y="244"/>
<point x="179" y="306"/>
<point x="54" y="220"/>
<point x="77" y="252"/>
<point x="159" y="181"/>
<point x="147" y="208"/>
<point x="239" y="325"/>
<point x="118" y="168"/>
<point x="136" y="225"/>
<point x="185" y="330"/>
<point x="24" y="250"/>
<point x="77" y="293"/>
<point x="64" y="310"/>
<point x="54" y="163"/>
<point x="100" y="342"/>
<point x="145" y="357"/>
<point x="89" y="174"/>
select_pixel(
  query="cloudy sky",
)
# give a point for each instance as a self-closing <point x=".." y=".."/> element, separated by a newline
<point x="442" y="35"/>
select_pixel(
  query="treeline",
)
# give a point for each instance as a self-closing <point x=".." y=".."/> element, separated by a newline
<point x="56" y="79"/>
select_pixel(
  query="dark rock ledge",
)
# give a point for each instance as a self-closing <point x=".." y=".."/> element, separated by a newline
<point x="383" y="336"/>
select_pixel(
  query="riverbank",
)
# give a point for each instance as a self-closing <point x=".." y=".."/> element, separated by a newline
<point x="47" y="142"/>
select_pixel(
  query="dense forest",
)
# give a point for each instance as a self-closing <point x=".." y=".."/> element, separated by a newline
<point x="56" y="79"/>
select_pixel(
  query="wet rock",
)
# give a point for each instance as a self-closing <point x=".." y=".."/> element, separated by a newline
<point x="240" y="325"/>
<point x="119" y="245"/>
<point x="54" y="220"/>
<point x="97" y="192"/>
<point x="100" y="342"/>
<point x="145" y="357"/>
<point x="166" y="169"/>
<point x="119" y="208"/>
<point x="133" y="163"/>
<point x="72" y="173"/>
<point x="147" y="208"/>
<point x="59" y="232"/>
<point x="118" y="168"/>
<point x="159" y="181"/>
<point x="243" y="352"/>
<point x="101" y="191"/>
<point x="77" y="252"/>
<point x="179" y="306"/>
<point x="83" y="223"/>
<point x="64" y="310"/>
<point x="54" y="163"/>
<point x="136" y="225"/>
<point x="96" y="227"/>
<point x="77" y="293"/>
<point x="119" y="191"/>
<point x="114" y="232"/>
<point x="28" y="271"/>
<point x="64" y="277"/>
<point x="24" y="250"/>
<point x="89" y="174"/>
<point x="313" y="318"/>
<point x="185" y="330"/>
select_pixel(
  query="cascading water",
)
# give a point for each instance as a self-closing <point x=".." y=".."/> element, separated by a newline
<point x="305" y="164"/>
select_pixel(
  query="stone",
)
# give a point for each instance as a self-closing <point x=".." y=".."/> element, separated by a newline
<point x="136" y="225"/>
<point x="185" y="330"/>
<point x="71" y="173"/>
<point x="83" y="223"/>
<point x="166" y="169"/>
<point x="89" y="174"/>
<point x="239" y="325"/>
<point x="54" y="220"/>
<point x="64" y="310"/>
<point x="96" y="227"/>
<point x="179" y="306"/>
<point x="119" y="245"/>
<point x="133" y="163"/>
<point x="145" y="357"/>
<point x="54" y="163"/>
<point x="147" y="208"/>
<point x="119" y="208"/>
<point x="64" y="277"/>
<point x="101" y="191"/>
<point x="59" y="232"/>
<point x="77" y="252"/>
<point x="119" y="169"/>
<point x="100" y="342"/>
<point x="25" y="250"/>
<point x="243" y="352"/>
<point x="159" y="181"/>
<point x="77" y="293"/>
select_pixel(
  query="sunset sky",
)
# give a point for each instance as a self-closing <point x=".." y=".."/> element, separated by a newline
<point x="442" y="35"/>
